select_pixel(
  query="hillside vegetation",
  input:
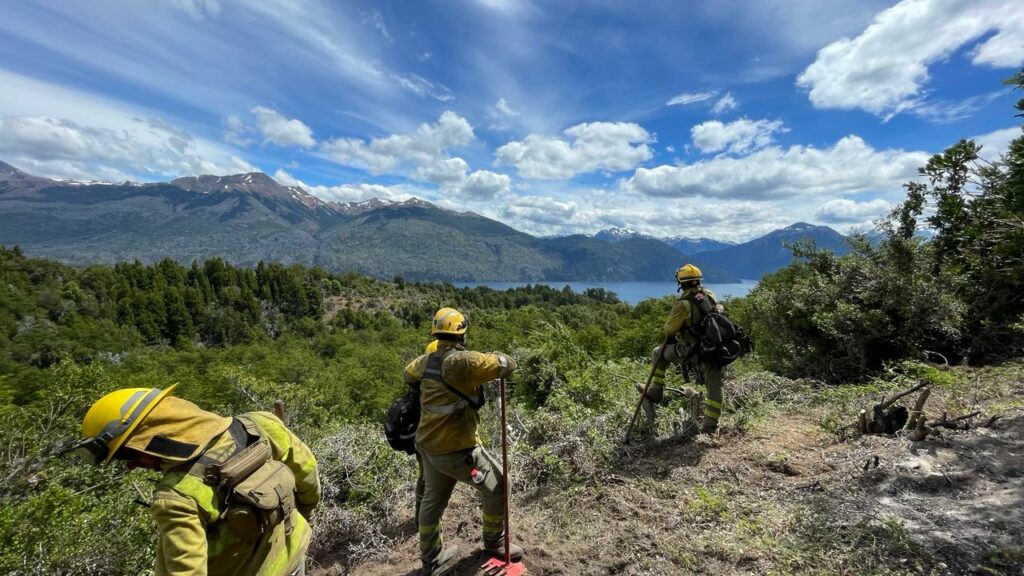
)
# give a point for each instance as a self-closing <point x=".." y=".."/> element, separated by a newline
<point x="787" y="486"/>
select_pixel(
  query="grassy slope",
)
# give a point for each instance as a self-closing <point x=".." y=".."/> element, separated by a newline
<point x="781" y="489"/>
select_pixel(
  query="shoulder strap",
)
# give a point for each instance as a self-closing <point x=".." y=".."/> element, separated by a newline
<point x="244" y="432"/>
<point x="435" y="363"/>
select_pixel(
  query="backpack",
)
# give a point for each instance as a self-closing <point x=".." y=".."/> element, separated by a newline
<point x="720" y="340"/>
<point x="403" y="420"/>
<point x="257" y="492"/>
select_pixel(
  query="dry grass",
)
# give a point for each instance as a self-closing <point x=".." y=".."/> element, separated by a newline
<point x="784" y="488"/>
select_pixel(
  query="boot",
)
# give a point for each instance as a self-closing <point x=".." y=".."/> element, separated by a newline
<point x="442" y="563"/>
<point x="497" y="550"/>
<point x="655" y="395"/>
<point x="710" y="425"/>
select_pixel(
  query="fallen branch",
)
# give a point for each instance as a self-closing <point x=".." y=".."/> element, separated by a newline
<point x="955" y="423"/>
<point x="886" y="403"/>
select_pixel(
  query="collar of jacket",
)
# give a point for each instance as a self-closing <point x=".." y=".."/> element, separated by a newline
<point x="177" y="431"/>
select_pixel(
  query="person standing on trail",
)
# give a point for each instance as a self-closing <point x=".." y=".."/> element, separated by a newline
<point x="450" y="382"/>
<point x="235" y="492"/>
<point x="682" y="348"/>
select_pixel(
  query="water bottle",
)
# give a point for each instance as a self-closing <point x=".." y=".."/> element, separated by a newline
<point x="477" y="476"/>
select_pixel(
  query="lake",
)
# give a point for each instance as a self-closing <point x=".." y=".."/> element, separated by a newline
<point x="631" y="292"/>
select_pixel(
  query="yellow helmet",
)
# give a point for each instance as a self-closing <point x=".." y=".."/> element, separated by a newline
<point x="688" y="273"/>
<point x="449" y="321"/>
<point x="431" y="348"/>
<point x="112" y="419"/>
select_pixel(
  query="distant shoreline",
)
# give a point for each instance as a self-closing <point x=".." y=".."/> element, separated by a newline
<point x="629" y="292"/>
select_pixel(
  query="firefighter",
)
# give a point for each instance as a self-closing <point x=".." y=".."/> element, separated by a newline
<point x="448" y="443"/>
<point x="682" y="349"/>
<point x="235" y="492"/>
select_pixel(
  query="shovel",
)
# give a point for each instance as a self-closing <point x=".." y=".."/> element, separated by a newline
<point x="497" y="566"/>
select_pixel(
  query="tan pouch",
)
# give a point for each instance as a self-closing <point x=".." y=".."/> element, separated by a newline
<point x="271" y="490"/>
<point x="245" y="462"/>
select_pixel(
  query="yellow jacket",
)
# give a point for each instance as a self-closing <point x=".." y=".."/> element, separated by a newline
<point x="187" y="511"/>
<point x="447" y="423"/>
<point x="684" y="315"/>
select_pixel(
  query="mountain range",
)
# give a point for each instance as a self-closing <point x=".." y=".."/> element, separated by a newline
<point x="246" y="218"/>
<point x="684" y="244"/>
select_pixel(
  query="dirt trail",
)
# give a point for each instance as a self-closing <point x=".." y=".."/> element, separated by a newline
<point x="788" y="498"/>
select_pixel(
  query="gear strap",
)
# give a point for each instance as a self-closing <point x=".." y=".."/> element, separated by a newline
<point x="435" y="363"/>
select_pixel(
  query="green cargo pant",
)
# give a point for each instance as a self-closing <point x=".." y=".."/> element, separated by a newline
<point x="712" y="379"/>
<point x="440" y="473"/>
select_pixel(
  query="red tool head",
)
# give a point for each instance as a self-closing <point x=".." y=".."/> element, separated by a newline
<point x="498" y="567"/>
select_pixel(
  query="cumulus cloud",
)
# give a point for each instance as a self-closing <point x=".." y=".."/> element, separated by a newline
<point x="270" y="126"/>
<point x="994" y="144"/>
<point x="426" y="146"/>
<point x="739" y="136"/>
<point x="422" y="155"/>
<point x="593" y="146"/>
<point x="725" y="104"/>
<point x="541" y="212"/>
<point x="282" y="131"/>
<point x="690" y="98"/>
<point x="842" y="210"/>
<point x="851" y="165"/>
<point x="146" y="149"/>
<point x="484" y="184"/>
<point x="884" y="70"/>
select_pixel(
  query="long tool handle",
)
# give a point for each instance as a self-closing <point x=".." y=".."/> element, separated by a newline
<point x="636" y="413"/>
<point x="504" y="470"/>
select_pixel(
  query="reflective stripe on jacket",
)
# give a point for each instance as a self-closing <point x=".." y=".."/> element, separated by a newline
<point x="186" y="510"/>
<point x="447" y="422"/>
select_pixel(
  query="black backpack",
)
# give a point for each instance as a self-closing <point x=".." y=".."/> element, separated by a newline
<point x="720" y="340"/>
<point x="403" y="419"/>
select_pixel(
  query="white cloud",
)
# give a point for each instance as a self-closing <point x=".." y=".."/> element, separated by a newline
<point x="884" y="70"/>
<point x="391" y="154"/>
<point x="612" y="146"/>
<point x="725" y="104"/>
<point x="848" y="166"/>
<point x="268" y="125"/>
<point x="453" y="178"/>
<point x="945" y="111"/>
<point x="422" y="87"/>
<point x="994" y="144"/>
<point x="842" y="210"/>
<point x="737" y="137"/>
<point x="277" y="129"/>
<point x="541" y="212"/>
<point x="446" y="171"/>
<point x="690" y="98"/>
<point x="503" y="108"/>
<point x="146" y="149"/>
<point x="484" y="184"/>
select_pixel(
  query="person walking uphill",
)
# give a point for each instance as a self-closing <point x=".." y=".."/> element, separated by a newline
<point x="235" y="492"/>
<point x="683" y="346"/>
<point x="450" y="382"/>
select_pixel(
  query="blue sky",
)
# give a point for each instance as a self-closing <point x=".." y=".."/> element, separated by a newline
<point x="724" y="119"/>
